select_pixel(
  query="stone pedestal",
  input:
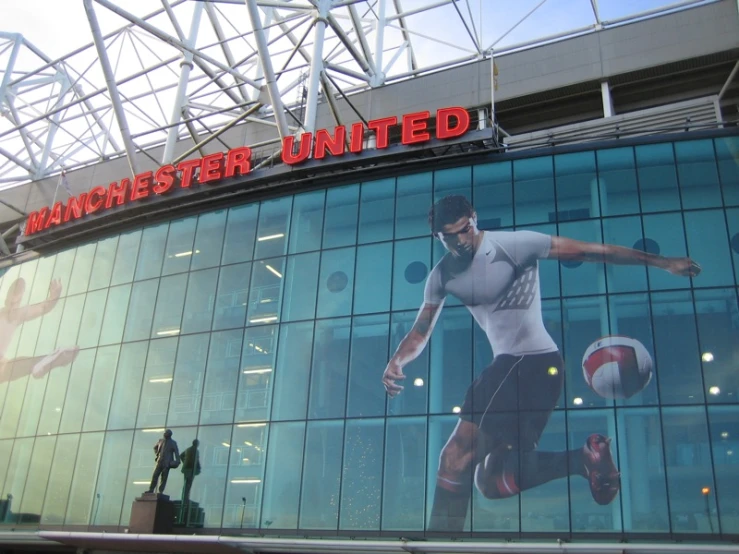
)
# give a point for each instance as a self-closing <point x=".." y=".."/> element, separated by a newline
<point x="152" y="513"/>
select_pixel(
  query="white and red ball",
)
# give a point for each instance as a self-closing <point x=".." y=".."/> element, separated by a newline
<point x="617" y="367"/>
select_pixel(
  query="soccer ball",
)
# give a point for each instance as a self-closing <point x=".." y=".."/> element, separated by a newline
<point x="617" y="367"/>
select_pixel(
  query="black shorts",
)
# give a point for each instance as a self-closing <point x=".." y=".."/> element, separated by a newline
<point x="512" y="399"/>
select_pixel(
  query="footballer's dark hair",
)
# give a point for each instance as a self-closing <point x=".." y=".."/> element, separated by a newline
<point x="449" y="209"/>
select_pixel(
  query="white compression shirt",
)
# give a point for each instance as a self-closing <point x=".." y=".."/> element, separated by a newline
<point x="500" y="287"/>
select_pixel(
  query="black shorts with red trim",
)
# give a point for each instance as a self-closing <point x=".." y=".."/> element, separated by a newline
<point x="513" y="397"/>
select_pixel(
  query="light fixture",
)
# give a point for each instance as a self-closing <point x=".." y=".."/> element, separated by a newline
<point x="251" y="425"/>
<point x="418" y="382"/>
<point x="245" y="481"/>
<point x="226" y="444"/>
<point x="456" y="409"/>
<point x="715" y="391"/>
<point x="553" y="371"/>
<point x="577" y="401"/>
<point x="253" y="371"/>
<point x="168" y="333"/>
<point x="707" y="357"/>
<point x="161" y="380"/>
<point x="141" y="482"/>
<point x="706" y="491"/>
<point x="729" y="452"/>
<point x="158" y="430"/>
<point x="273" y="270"/>
<point x="271" y="237"/>
<point x="724" y="434"/>
<point x="263" y="319"/>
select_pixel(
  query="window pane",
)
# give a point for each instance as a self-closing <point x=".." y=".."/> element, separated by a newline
<point x="307" y="221"/>
<point x="274" y="221"/>
<point x="586" y="514"/>
<point x="412" y="205"/>
<point x="336" y="283"/>
<point x="717" y="314"/>
<point x="102" y="267"/>
<point x="724" y="427"/>
<point x="209" y="240"/>
<point x="127" y="386"/>
<point x="696" y="170"/>
<point x="125" y="257"/>
<point x="642" y="466"/>
<point x="219" y="392"/>
<point x="376" y="210"/>
<point x="666" y="231"/>
<point x="301" y="282"/>
<point x="41" y="281"/>
<point x="151" y="252"/>
<point x="101" y="388"/>
<point x="201" y="291"/>
<point x="585" y="320"/>
<point x="626" y="231"/>
<point x="319" y="506"/>
<point x="727" y="154"/>
<point x="361" y="489"/>
<point x="689" y="469"/>
<point x="92" y="318"/>
<point x="580" y="278"/>
<point x="241" y="226"/>
<point x="245" y="476"/>
<point x="141" y="310"/>
<point x="187" y="386"/>
<point x="81" y="269"/>
<point x="158" y="378"/>
<point x="233" y="290"/>
<point x="453" y="181"/>
<point x="290" y="398"/>
<point x="179" y="249"/>
<point x="451" y="361"/>
<point x="533" y="190"/>
<point x="60" y="480"/>
<point x="677" y="357"/>
<point x="168" y="313"/>
<point x="733" y="219"/>
<point x="329" y="370"/>
<point x="80" y="378"/>
<point x="82" y="492"/>
<point x="266" y="291"/>
<point x="577" y="186"/>
<point x="617" y="181"/>
<point x="31" y="410"/>
<point x="629" y="316"/>
<point x="115" y="314"/>
<point x="657" y="178"/>
<point x="413" y="399"/>
<point x="709" y="246"/>
<point x="16" y="474"/>
<point x="63" y="268"/>
<point x="369" y="355"/>
<point x="493" y="195"/>
<point x="373" y="278"/>
<point x="340" y="227"/>
<point x="112" y="479"/>
<point x="549" y="270"/>
<point x="210" y="486"/>
<point x="411" y="262"/>
<point x="283" y="476"/>
<point x="35" y="489"/>
<point x="51" y="411"/>
<point x="255" y="382"/>
<point x="49" y="329"/>
<point x="405" y="474"/>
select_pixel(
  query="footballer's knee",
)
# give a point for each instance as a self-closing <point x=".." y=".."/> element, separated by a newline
<point x="494" y="481"/>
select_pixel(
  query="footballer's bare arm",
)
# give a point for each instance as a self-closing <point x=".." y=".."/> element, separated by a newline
<point x="410" y="347"/>
<point x="569" y="249"/>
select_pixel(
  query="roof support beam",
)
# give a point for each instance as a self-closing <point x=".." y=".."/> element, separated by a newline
<point x="115" y="98"/>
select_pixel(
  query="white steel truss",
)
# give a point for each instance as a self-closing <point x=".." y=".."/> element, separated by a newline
<point x="195" y="68"/>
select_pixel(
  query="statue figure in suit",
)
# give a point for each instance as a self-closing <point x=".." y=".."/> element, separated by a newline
<point x="167" y="456"/>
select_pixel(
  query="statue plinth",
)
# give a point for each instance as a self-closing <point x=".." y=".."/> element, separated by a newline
<point x="152" y="513"/>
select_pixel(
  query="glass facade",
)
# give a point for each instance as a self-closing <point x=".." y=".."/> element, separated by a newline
<point x="263" y="331"/>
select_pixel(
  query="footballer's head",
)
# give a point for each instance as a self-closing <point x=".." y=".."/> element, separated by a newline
<point x="454" y="222"/>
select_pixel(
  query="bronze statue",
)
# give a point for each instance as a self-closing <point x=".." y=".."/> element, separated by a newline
<point x="167" y="456"/>
<point x="190" y="468"/>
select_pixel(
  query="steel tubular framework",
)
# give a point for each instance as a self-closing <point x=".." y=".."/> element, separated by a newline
<point x="194" y="68"/>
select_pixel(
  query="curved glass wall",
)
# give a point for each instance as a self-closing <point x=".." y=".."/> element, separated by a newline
<point x="263" y="330"/>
